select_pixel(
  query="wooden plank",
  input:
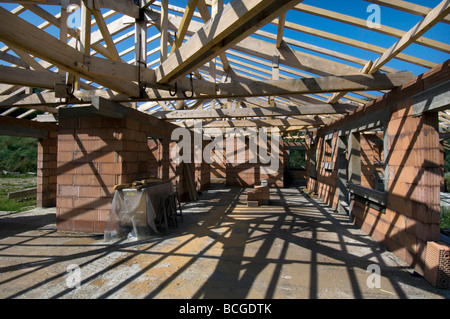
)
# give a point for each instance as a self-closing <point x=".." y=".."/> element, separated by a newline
<point x="314" y="109"/>
<point x="32" y="78"/>
<point x="85" y="34"/>
<point x="362" y="23"/>
<point x="12" y="126"/>
<point x="407" y="6"/>
<point x="127" y="7"/>
<point x="253" y="123"/>
<point x="13" y="60"/>
<point x="235" y="22"/>
<point x="433" y="17"/>
<point x="22" y="193"/>
<point x="292" y="58"/>
<point x="355" y="43"/>
<point x="105" y="34"/>
<point x="57" y="22"/>
<point x="337" y="96"/>
<point x="280" y="30"/>
<point x="100" y="107"/>
<point x="355" y="82"/>
<point x="164" y="29"/>
<point x="35" y="41"/>
<point x="187" y="16"/>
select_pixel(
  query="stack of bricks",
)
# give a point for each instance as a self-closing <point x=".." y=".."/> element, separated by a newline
<point x="46" y="169"/>
<point x="259" y="196"/>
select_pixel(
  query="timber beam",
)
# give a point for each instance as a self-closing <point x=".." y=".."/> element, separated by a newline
<point x="313" y="109"/>
<point x="12" y="126"/>
<point x="235" y="22"/>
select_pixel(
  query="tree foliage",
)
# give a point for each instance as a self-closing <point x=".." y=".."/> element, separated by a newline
<point x="18" y="154"/>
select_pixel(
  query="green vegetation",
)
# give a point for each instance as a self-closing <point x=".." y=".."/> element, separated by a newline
<point x="445" y="217"/>
<point x="297" y="158"/>
<point x="447" y="161"/>
<point x="11" y="183"/>
<point x="18" y="154"/>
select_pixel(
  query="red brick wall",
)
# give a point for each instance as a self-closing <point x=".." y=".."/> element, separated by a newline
<point x="250" y="174"/>
<point x="95" y="154"/>
<point x="46" y="170"/>
<point x="414" y="162"/>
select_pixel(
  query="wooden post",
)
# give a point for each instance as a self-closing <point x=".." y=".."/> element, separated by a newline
<point x="354" y="166"/>
<point x="164" y="29"/>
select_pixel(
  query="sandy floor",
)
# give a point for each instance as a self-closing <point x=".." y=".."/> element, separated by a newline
<point x="294" y="248"/>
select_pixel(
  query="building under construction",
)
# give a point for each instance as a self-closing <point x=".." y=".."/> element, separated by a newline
<point x="192" y="109"/>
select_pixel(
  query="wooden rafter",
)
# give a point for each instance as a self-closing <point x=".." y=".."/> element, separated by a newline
<point x="363" y="24"/>
<point x="407" y="6"/>
<point x="433" y="17"/>
<point x="235" y="22"/>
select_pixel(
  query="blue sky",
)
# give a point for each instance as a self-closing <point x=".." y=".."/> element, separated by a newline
<point x="356" y="8"/>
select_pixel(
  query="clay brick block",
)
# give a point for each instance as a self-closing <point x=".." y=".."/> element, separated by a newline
<point x="64" y="202"/>
<point x="89" y="122"/>
<point x="99" y="227"/>
<point x="107" y="157"/>
<point x="95" y="180"/>
<point x="67" y="146"/>
<point x="110" y="168"/>
<point x="83" y="226"/>
<point x="253" y="203"/>
<point x="64" y="224"/>
<point x="67" y="190"/>
<point x="437" y="264"/>
<point x="90" y="191"/>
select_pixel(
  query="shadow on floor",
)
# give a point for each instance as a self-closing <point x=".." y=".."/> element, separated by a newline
<point x="294" y="248"/>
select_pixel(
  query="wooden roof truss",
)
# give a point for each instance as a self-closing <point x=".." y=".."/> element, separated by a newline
<point x="209" y="60"/>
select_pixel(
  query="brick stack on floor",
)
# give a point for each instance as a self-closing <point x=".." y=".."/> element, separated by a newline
<point x="259" y="196"/>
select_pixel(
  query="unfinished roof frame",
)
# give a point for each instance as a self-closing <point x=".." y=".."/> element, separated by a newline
<point x="203" y="30"/>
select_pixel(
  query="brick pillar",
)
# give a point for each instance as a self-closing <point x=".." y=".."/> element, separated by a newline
<point x="46" y="170"/>
<point x="414" y="184"/>
<point x="90" y="163"/>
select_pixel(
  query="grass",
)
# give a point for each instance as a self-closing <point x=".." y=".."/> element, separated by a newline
<point x="11" y="183"/>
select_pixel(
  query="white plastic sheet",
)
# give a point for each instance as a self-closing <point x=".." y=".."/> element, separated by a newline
<point x="132" y="214"/>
